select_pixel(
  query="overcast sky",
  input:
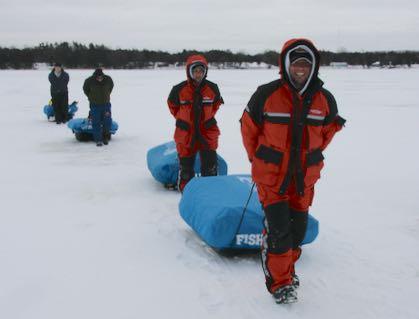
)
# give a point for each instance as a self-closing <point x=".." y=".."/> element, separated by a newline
<point x="239" y="25"/>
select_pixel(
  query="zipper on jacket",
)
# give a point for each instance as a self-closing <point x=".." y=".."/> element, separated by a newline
<point x="301" y="107"/>
<point x="293" y="150"/>
<point x="197" y="111"/>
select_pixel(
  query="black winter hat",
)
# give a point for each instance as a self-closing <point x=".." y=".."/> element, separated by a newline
<point x="98" y="72"/>
<point x="300" y="54"/>
<point x="58" y="64"/>
<point x="198" y="66"/>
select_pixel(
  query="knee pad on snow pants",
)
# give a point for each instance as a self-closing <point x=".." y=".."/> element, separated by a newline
<point x="208" y="162"/>
<point x="278" y="227"/>
<point x="186" y="171"/>
<point x="298" y="227"/>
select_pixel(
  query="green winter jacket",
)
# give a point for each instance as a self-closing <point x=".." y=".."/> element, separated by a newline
<point x="98" y="92"/>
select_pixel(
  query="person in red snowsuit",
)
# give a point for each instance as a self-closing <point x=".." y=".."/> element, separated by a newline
<point x="285" y="127"/>
<point x="194" y="103"/>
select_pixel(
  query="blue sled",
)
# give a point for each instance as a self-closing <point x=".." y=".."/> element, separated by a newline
<point x="163" y="164"/>
<point x="82" y="129"/>
<point x="213" y="208"/>
<point x="72" y="109"/>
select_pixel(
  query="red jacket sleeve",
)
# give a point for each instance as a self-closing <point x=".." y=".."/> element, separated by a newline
<point x="251" y="123"/>
<point x="217" y="105"/>
<point x="218" y="100"/>
<point x="173" y="101"/>
<point x="173" y="108"/>
<point x="250" y="134"/>
<point x="333" y="123"/>
<point x="331" y="129"/>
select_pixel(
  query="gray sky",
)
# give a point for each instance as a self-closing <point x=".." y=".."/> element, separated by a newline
<point x="239" y="25"/>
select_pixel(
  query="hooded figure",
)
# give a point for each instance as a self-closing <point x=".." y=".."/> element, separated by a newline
<point x="59" y="92"/>
<point x="285" y="127"/>
<point x="98" y="89"/>
<point x="194" y="103"/>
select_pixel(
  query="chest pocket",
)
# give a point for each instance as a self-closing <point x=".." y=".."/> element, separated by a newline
<point x="185" y="103"/>
<point x="314" y="125"/>
<point x="207" y="102"/>
<point x="315" y="120"/>
<point x="276" y="128"/>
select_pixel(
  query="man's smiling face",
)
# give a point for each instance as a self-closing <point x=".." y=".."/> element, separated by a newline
<point x="300" y="71"/>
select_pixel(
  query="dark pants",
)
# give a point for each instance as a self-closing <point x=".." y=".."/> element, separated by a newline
<point x="187" y="171"/>
<point x="101" y="120"/>
<point x="60" y="105"/>
<point x="284" y="232"/>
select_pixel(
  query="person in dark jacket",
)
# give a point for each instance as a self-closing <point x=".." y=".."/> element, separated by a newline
<point x="286" y="126"/>
<point x="59" y="92"/>
<point x="194" y="103"/>
<point x="98" y="88"/>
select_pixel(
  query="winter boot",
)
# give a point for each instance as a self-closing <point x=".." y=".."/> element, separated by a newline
<point x="106" y="138"/>
<point x="285" y="295"/>
<point x="99" y="144"/>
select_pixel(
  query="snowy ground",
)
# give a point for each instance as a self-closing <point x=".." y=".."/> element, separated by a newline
<point x="87" y="233"/>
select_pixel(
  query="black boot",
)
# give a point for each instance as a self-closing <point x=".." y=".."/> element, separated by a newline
<point x="186" y="171"/>
<point x="284" y="295"/>
<point x="106" y="138"/>
<point x="208" y="163"/>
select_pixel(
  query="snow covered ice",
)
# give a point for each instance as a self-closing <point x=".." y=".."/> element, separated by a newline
<point x="86" y="232"/>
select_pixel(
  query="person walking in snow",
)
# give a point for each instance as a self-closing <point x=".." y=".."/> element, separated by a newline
<point x="59" y="92"/>
<point x="285" y="127"/>
<point x="194" y="103"/>
<point x="98" y="89"/>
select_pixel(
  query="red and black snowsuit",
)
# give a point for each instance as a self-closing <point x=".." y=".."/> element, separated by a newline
<point x="194" y="106"/>
<point x="285" y="132"/>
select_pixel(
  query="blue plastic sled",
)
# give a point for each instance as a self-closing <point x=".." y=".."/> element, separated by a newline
<point x="82" y="129"/>
<point x="213" y="207"/>
<point x="72" y="109"/>
<point x="163" y="163"/>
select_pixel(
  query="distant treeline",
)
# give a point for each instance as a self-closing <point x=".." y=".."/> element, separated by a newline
<point x="76" y="55"/>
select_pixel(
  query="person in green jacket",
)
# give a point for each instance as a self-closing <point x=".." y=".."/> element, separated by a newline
<point x="98" y="89"/>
